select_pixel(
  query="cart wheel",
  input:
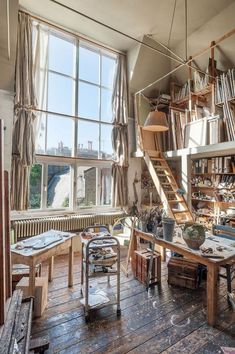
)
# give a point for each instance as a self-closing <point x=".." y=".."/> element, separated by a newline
<point x="118" y="312"/>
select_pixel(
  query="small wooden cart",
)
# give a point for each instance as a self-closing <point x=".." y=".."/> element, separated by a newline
<point x="89" y="248"/>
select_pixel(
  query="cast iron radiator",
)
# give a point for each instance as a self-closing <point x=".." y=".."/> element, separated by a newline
<point x="24" y="228"/>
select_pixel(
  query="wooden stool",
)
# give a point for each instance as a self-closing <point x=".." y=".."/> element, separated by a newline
<point x="40" y="298"/>
<point x="21" y="270"/>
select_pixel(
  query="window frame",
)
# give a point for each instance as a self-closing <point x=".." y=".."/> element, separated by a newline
<point x="74" y="160"/>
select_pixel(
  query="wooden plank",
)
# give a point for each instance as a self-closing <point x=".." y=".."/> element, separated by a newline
<point x="2" y="234"/>
<point x="9" y="334"/>
<point x="7" y="237"/>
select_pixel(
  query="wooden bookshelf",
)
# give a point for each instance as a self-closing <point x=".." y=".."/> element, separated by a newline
<point x="210" y="202"/>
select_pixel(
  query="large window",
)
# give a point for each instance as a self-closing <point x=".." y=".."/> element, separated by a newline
<point x="73" y="145"/>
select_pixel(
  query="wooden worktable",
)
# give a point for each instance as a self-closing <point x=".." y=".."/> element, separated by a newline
<point x="178" y="245"/>
<point x="33" y="257"/>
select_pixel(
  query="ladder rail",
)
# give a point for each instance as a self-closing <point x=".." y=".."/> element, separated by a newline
<point x="164" y="193"/>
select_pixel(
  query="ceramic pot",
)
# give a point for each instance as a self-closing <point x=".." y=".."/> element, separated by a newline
<point x="194" y="235"/>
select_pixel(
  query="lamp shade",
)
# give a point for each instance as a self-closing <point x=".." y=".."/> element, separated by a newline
<point x="156" y="122"/>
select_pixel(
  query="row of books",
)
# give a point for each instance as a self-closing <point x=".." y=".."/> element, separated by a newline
<point x="214" y="165"/>
<point x="225" y="86"/>
<point x="183" y="92"/>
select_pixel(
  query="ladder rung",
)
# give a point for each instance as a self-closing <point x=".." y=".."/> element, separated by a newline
<point x="157" y="159"/>
<point x="161" y="168"/>
<point x="180" y="211"/>
<point x="175" y="201"/>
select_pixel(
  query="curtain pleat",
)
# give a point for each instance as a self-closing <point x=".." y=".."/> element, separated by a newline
<point x="120" y="136"/>
<point x="23" y="142"/>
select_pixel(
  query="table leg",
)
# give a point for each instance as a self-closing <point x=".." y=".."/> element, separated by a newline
<point x="31" y="279"/>
<point x="162" y="251"/>
<point x="71" y="259"/>
<point x="212" y="277"/>
<point x="51" y="269"/>
<point x="159" y="270"/>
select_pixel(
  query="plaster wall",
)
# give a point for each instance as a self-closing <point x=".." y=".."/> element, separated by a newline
<point x="212" y="30"/>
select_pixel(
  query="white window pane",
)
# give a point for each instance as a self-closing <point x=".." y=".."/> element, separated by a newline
<point x="59" y="135"/>
<point x="86" y="186"/>
<point x="41" y="126"/>
<point x="35" y="187"/>
<point x="106" y="105"/>
<point x="89" y="65"/>
<point x="58" y="186"/>
<point x="88" y="101"/>
<point x="108" y="71"/>
<point x="105" y="186"/>
<point x="88" y="140"/>
<point x="60" y="94"/>
<point x="62" y="55"/>
<point x="106" y="149"/>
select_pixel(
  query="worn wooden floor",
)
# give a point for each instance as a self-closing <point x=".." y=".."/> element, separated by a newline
<point x="164" y="320"/>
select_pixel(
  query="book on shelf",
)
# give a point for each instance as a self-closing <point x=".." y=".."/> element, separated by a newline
<point x="224" y="94"/>
<point x="212" y="165"/>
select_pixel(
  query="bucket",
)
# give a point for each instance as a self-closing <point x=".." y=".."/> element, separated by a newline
<point x="168" y="228"/>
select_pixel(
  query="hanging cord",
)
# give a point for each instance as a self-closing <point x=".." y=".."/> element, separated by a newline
<point x="186" y="28"/>
<point x="172" y="20"/>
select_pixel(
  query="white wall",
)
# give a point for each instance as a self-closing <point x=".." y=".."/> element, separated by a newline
<point x="7" y="73"/>
<point x="148" y="67"/>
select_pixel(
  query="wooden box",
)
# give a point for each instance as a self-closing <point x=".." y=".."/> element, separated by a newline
<point x="183" y="272"/>
<point x="140" y="266"/>
<point x="41" y="287"/>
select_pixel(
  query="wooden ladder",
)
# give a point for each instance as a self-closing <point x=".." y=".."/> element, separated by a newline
<point x="167" y="188"/>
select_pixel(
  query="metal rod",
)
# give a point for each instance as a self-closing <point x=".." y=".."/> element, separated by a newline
<point x="167" y="48"/>
<point x="115" y="30"/>
<point x="186" y="28"/>
<point x="181" y="61"/>
<point x="197" y="55"/>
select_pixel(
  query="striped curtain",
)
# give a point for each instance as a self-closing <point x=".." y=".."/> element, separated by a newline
<point x="23" y="146"/>
<point x="120" y="135"/>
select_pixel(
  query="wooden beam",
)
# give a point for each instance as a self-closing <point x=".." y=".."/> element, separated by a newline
<point x="2" y="234"/>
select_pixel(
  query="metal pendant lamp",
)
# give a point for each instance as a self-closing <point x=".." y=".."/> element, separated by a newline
<point x="156" y="122"/>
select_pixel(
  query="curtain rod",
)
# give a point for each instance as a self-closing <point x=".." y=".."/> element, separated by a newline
<point x="70" y="32"/>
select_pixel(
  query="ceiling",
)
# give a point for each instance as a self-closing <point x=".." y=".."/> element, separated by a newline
<point x="133" y="17"/>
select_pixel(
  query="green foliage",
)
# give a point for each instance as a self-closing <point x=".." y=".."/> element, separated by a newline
<point x="35" y="201"/>
<point x="35" y="175"/>
<point x="65" y="203"/>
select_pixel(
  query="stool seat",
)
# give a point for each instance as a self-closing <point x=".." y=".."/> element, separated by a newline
<point x="21" y="270"/>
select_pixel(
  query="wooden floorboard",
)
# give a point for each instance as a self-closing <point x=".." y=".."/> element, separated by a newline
<point x="163" y="320"/>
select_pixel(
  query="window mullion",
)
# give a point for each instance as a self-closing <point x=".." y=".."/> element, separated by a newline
<point x="44" y="186"/>
<point x="75" y="146"/>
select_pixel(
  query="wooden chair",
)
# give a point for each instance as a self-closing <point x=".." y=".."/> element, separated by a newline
<point x="227" y="232"/>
